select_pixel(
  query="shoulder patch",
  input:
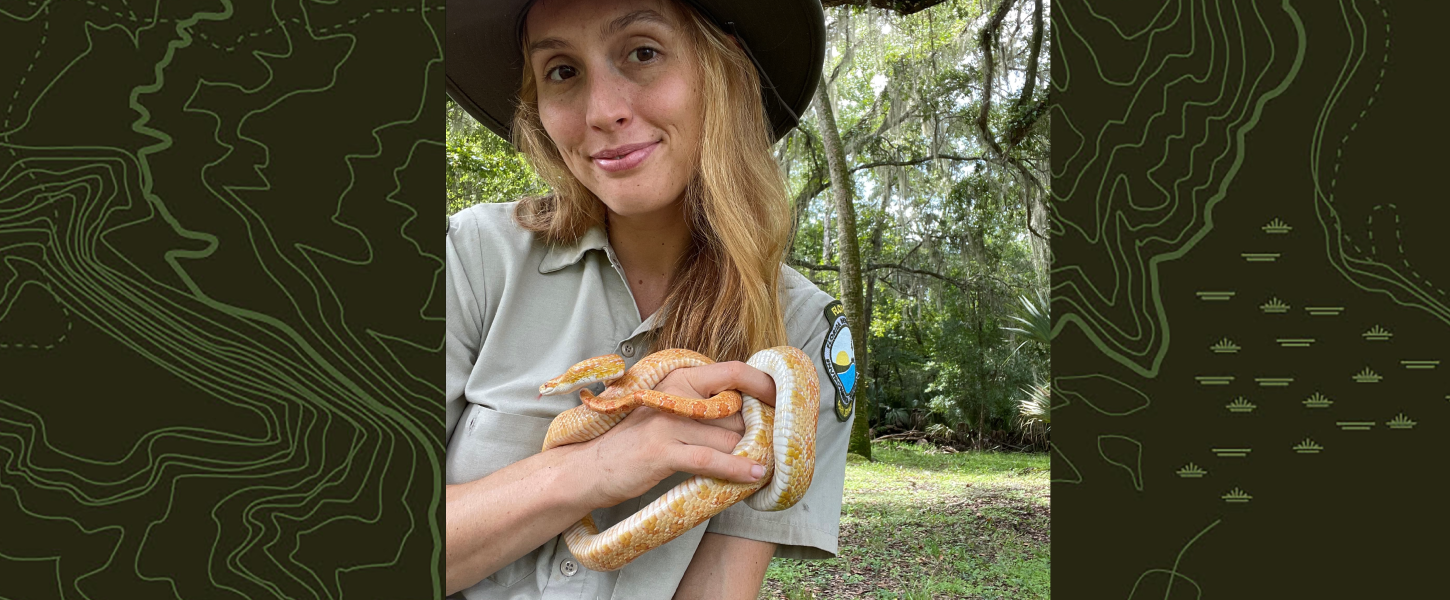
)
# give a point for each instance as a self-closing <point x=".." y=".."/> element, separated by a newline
<point x="839" y="355"/>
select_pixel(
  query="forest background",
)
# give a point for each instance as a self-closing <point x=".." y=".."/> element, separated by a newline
<point x="918" y="182"/>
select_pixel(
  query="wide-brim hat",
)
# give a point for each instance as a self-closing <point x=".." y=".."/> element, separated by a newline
<point x="785" y="38"/>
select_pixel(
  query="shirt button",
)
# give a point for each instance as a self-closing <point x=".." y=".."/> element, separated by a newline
<point x="628" y="349"/>
<point x="568" y="568"/>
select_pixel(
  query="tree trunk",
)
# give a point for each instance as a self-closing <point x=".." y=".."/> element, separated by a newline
<point x="863" y="362"/>
<point x="826" y="236"/>
<point x="849" y="252"/>
<point x="1037" y="232"/>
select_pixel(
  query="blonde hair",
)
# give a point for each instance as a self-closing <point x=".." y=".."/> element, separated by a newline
<point x="723" y="298"/>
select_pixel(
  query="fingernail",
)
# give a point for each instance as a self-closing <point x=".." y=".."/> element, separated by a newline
<point x="757" y="472"/>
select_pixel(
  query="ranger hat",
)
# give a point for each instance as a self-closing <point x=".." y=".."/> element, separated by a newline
<point x="786" y="39"/>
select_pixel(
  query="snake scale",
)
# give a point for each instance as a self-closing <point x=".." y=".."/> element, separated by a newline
<point x="783" y="439"/>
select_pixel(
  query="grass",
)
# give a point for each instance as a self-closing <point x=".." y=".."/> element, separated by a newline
<point x="920" y="524"/>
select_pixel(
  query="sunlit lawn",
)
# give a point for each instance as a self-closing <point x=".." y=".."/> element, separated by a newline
<point x="921" y="525"/>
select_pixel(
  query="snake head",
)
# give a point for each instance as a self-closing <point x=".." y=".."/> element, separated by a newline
<point x="605" y="368"/>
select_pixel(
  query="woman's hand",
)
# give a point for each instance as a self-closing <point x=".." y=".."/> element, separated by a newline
<point x="708" y="380"/>
<point x="649" y="445"/>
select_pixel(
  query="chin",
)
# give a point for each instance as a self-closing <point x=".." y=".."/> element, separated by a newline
<point x="635" y="199"/>
<point x="631" y="207"/>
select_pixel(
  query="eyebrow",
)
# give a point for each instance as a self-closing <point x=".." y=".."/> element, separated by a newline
<point x="639" y="16"/>
<point x="610" y="28"/>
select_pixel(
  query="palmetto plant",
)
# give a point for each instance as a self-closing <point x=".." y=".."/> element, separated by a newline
<point x="1037" y="406"/>
<point x="1034" y="413"/>
<point x="1034" y="324"/>
<point x="1033" y="321"/>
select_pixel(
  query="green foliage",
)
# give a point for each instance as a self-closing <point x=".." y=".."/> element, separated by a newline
<point x="1034" y="321"/>
<point x="945" y="226"/>
<point x="483" y="167"/>
<point x="920" y="523"/>
<point x="942" y="228"/>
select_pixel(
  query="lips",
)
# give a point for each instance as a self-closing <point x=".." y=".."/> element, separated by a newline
<point x="623" y="158"/>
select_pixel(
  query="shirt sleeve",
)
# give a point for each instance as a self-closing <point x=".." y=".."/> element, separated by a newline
<point x="464" y="330"/>
<point x="810" y="529"/>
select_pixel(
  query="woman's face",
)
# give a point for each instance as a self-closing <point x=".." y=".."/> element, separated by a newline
<point x="619" y="95"/>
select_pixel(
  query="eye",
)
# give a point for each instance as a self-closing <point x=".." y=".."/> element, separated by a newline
<point x="644" y="54"/>
<point x="560" y="73"/>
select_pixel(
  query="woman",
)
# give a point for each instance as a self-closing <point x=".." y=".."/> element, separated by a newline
<point x="666" y="229"/>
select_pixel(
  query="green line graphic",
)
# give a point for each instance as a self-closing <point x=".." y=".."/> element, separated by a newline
<point x="1377" y="334"/>
<point x="1367" y="375"/>
<point x="1173" y="574"/>
<point x="1215" y="296"/>
<point x="1420" y="364"/>
<point x="1191" y="471"/>
<point x="1236" y="496"/>
<point x="1307" y="446"/>
<point x="1116" y="303"/>
<point x="209" y="233"/>
<point x="1105" y="394"/>
<point x="1123" y="195"/>
<point x="1277" y="227"/>
<point x="1317" y="400"/>
<point x="1400" y="422"/>
<point x="1128" y="453"/>
<point x="1224" y="346"/>
<point x="1058" y="470"/>
<point x="1274" y="306"/>
<point x="1240" y="405"/>
<point x="1232" y="452"/>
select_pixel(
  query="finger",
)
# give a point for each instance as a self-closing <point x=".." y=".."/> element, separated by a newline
<point x="695" y="433"/>
<point x="709" y="462"/>
<point x="733" y="375"/>
<point x="734" y="422"/>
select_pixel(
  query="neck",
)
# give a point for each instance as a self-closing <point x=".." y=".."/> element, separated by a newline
<point x="649" y="247"/>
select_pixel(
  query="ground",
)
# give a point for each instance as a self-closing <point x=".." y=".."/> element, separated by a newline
<point x="918" y="523"/>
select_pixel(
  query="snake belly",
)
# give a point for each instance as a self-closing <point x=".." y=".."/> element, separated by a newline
<point x="782" y="439"/>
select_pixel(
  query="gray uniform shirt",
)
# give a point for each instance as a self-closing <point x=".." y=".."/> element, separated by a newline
<point x="521" y="312"/>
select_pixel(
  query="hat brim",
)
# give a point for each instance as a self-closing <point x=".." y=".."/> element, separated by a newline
<point x="483" y="65"/>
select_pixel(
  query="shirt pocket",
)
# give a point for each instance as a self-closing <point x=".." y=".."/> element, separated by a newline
<point x="490" y="440"/>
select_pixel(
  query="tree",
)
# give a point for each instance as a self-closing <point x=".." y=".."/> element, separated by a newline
<point x="933" y="224"/>
<point x="850" y="253"/>
<point x="1025" y="113"/>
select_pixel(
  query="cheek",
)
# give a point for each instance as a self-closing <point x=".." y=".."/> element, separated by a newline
<point x="680" y="101"/>
<point x="560" y="125"/>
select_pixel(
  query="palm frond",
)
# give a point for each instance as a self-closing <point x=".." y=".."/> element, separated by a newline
<point x="1034" y="321"/>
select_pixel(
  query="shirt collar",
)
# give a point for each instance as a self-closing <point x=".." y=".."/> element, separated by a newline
<point x="563" y="255"/>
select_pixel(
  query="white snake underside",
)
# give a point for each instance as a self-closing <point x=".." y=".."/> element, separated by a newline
<point x="783" y="439"/>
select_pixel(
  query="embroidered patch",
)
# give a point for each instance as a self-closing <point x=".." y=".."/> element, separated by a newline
<point x="840" y="359"/>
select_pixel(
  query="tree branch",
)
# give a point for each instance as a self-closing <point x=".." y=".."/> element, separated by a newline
<point x="986" y="41"/>
<point x="900" y="7"/>
<point x="878" y="266"/>
<point x="1030" y="78"/>
<point x="916" y="161"/>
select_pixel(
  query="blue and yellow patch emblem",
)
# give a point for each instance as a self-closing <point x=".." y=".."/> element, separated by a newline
<point x="840" y="359"/>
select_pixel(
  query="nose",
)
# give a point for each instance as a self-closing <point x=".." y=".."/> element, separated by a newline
<point x="609" y="107"/>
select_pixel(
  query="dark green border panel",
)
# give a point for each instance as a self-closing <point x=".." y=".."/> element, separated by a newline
<point x="1251" y="372"/>
<point x="220" y="330"/>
